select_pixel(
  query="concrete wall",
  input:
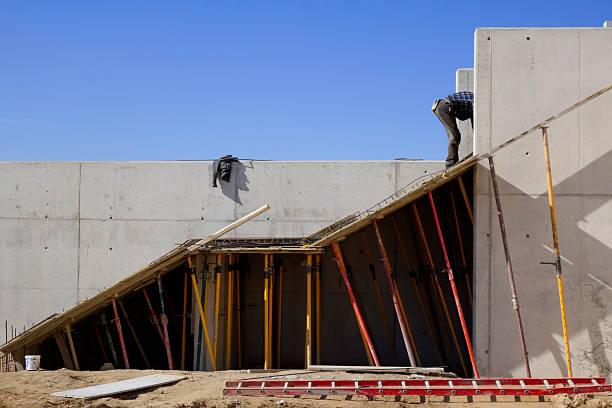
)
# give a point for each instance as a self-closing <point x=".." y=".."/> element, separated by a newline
<point x="71" y="229"/>
<point x="523" y="76"/>
<point x="465" y="82"/>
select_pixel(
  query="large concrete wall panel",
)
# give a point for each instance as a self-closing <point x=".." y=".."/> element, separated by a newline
<point x="141" y="209"/>
<point x="524" y="76"/>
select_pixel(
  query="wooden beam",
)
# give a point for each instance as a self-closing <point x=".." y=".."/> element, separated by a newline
<point x="61" y="344"/>
<point x="228" y="228"/>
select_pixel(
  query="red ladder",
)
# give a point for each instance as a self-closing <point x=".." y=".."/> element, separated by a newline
<point x="460" y="386"/>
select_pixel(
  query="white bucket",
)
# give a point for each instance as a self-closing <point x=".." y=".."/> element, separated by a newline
<point x="32" y="363"/>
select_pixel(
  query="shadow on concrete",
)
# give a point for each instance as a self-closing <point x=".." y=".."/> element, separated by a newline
<point x="587" y="280"/>
<point x="238" y="182"/>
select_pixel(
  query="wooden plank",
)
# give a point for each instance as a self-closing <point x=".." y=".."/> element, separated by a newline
<point x="380" y="369"/>
<point x="229" y="228"/>
<point x="61" y="344"/>
<point x="268" y="250"/>
<point x="119" y="387"/>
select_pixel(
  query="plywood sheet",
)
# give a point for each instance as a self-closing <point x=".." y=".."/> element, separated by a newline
<point x="119" y="387"/>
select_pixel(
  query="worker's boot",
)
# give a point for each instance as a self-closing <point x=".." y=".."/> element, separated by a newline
<point x="451" y="163"/>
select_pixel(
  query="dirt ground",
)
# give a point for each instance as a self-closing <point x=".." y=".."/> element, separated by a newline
<point x="202" y="389"/>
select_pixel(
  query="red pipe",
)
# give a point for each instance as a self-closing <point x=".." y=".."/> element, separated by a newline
<point x="118" y="323"/>
<point x="155" y="321"/>
<point x="451" y="278"/>
<point x="502" y="227"/>
<point x="95" y="325"/>
<point x="342" y="268"/>
<point x="391" y="284"/>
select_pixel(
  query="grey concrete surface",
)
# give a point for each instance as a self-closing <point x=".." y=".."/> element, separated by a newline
<point x="71" y="229"/>
<point x="465" y="82"/>
<point x="523" y="76"/>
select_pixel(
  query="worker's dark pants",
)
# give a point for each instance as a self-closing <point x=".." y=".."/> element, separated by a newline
<point x="449" y="121"/>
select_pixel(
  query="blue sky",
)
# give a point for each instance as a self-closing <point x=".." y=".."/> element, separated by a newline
<point x="279" y="80"/>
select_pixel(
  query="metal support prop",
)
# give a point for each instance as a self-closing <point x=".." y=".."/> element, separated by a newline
<point x="466" y="199"/>
<point x="318" y="307"/>
<point x="392" y="287"/>
<point x="451" y="278"/>
<point x="557" y="262"/>
<point x="266" y="315"/>
<point x="462" y="251"/>
<point x="502" y="227"/>
<point x="138" y="344"/>
<point x="230" y="307"/>
<point x="238" y="311"/>
<point x="270" y="309"/>
<point x="416" y="287"/>
<point x="153" y="316"/>
<point x="439" y="295"/>
<point x="366" y="348"/>
<point x="217" y="300"/>
<point x="164" y="322"/>
<point x="308" y="340"/>
<point x="120" y="333"/>
<point x="360" y="321"/>
<point x="194" y="284"/>
<point x="410" y="335"/>
<point x="204" y="288"/>
<point x="109" y="339"/>
<point x="184" y="331"/>
<point x="72" y="350"/>
<point x="378" y="295"/>
<point x="279" y="316"/>
<point x="97" y="331"/>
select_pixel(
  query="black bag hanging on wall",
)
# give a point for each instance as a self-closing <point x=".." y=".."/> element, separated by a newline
<point x="222" y="168"/>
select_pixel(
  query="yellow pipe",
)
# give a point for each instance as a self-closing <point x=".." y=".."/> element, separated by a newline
<point x="318" y="307"/>
<point x="72" y="350"/>
<point x="308" y="340"/>
<point x="230" y="307"/>
<point x="436" y="285"/>
<point x="266" y="315"/>
<point x="194" y="284"/>
<point x="279" y="316"/>
<point x="553" y="221"/>
<point x="466" y="199"/>
<point x="217" y="298"/>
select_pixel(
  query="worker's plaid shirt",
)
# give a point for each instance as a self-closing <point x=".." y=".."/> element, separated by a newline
<point x="461" y="104"/>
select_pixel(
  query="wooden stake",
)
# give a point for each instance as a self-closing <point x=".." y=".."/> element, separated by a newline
<point x="61" y="344"/>
<point x="72" y="350"/>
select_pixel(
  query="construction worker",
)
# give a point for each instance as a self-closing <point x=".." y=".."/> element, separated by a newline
<point x="457" y="106"/>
